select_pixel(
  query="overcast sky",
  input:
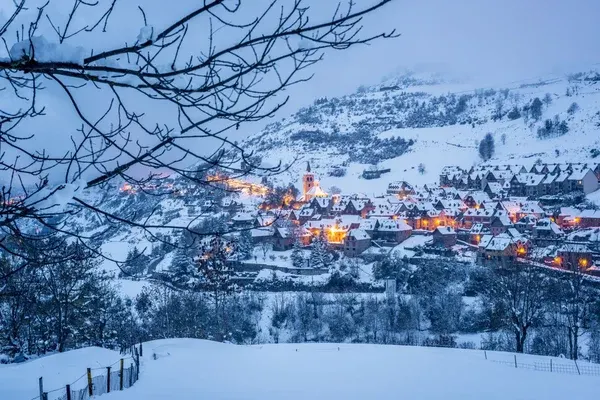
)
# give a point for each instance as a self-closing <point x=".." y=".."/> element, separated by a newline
<point x="491" y="41"/>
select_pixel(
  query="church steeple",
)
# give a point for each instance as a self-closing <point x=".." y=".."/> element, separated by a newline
<point x="308" y="166"/>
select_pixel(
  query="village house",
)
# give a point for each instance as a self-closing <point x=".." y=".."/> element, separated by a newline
<point x="321" y="205"/>
<point x="400" y="189"/>
<point x="476" y="232"/>
<point x="526" y="224"/>
<point x="574" y="255"/>
<point x="537" y="181"/>
<point x="480" y="216"/>
<point x="497" y="249"/>
<point x="589" y="218"/>
<point x="358" y="207"/>
<point x="444" y="236"/>
<point x="356" y="242"/>
<point x="262" y="234"/>
<point x="584" y="181"/>
<point x="244" y="219"/>
<point x="282" y="239"/>
<point x="392" y="230"/>
<point x="500" y="224"/>
<point x="546" y="232"/>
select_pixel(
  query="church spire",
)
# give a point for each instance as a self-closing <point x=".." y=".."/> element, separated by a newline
<point x="307" y="166"/>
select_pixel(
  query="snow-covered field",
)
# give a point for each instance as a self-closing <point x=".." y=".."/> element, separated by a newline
<point x="196" y="369"/>
<point x="20" y="381"/>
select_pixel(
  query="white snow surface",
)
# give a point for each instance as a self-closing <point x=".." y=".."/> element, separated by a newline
<point x="197" y="369"/>
<point x="20" y="381"/>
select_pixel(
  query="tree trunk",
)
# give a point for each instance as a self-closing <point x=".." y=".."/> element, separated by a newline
<point x="520" y="337"/>
<point x="575" y="350"/>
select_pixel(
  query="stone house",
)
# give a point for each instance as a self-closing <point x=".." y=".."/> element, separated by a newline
<point x="444" y="236"/>
<point x="357" y="241"/>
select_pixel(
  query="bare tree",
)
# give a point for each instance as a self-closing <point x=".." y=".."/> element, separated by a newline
<point x="220" y="65"/>
<point x="520" y="290"/>
<point x="574" y="301"/>
<point x="217" y="277"/>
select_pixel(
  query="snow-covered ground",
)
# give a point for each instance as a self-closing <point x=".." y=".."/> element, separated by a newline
<point x="196" y="369"/>
<point x="20" y="381"/>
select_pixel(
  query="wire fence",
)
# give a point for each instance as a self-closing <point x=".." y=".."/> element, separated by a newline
<point x="120" y="375"/>
<point x="562" y="367"/>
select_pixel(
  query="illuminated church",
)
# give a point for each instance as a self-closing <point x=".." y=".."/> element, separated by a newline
<point x="310" y="186"/>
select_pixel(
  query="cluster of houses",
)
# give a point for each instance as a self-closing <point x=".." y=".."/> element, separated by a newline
<point x="454" y="218"/>
<point x="517" y="180"/>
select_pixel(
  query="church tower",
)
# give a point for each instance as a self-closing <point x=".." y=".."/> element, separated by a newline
<point x="308" y="180"/>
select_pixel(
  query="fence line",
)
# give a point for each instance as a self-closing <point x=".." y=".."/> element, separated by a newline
<point x="120" y="375"/>
<point x="551" y="366"/>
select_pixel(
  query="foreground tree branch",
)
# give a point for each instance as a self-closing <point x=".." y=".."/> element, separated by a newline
<point x="231" y="72"/>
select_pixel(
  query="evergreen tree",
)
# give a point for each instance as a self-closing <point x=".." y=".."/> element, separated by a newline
<point x="217" y="278"/>
<point x="297" y="256"/>
<point x="182" y="266"/>
<point x="244" y="245"/>
<point x="136" y="262"/>
<point x="487" y="147"/>
<point x="319" y="255"/>
<point x="573" y="108"/>
<point x="535" y="110"/>
<point x="514" y="113"/>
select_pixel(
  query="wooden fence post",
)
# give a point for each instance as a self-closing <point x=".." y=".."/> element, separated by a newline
<point x="578" y="372"/>
<point x="68" y="392"/>
<point x="485" y="354"/>
<point x="515" y="361"/>
<point x="550" y="365"/>
<point x="41" y="388"/>
<point x="131" y="375"/>
<point x="141" y="350"/>
<point x="121" y="376"/>
<point x="89" y="375"/>
<point x="108" y="380"/>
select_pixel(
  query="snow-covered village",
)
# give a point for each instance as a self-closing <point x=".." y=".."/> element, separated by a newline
<point x="294" y="199"/>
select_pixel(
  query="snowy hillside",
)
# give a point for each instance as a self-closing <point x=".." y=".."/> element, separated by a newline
<point x="411" y="124"/>
<point x="412" y="120"/>
<point x="201" y="369"/>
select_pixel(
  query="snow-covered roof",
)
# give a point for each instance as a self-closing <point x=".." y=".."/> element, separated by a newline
<point x="578" y="175"/>
<point x="368" y="224"/>
<point x="545" y="224"/>
<point x="574" y="248"/>
<point x="243" y="216"/>
<point x="495" y="243"/>
<point x="445" y="230"/>
<point x="502" y="219"/>
<point x="262" y="232"/>
<point x="476" y="229"/>
<point x="359" y="234"/>
<point x="306" y="212"/>
<point x="393" y="225"/>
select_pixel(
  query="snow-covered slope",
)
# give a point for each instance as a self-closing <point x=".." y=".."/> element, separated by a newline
<point x="20" y="381"/>
<point x="406" y="121"/>
<point x="195" y="369"/>
<point x="412" y="120"/>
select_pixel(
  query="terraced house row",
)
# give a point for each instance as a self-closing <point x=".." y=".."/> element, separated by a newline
<point x="517" y="180"/>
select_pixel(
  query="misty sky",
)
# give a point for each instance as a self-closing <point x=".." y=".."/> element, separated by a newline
<point x="491" y="41"/>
